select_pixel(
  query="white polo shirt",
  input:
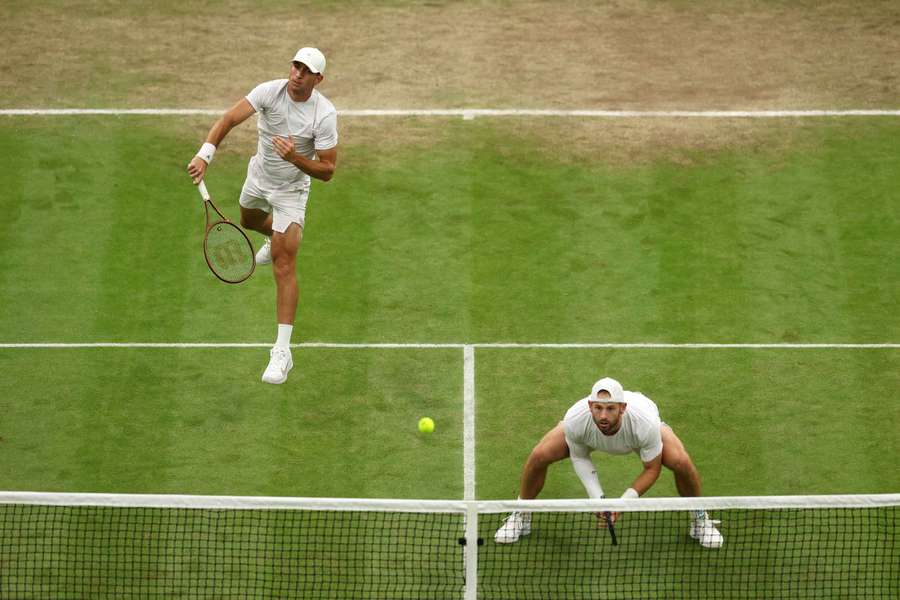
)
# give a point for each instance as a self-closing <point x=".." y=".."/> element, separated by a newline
<point x="639" y="431"/>
<point x="312" y="125"/>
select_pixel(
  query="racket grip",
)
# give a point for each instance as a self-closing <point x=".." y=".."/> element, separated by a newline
<point x="202" y="187"/>
<point x="611" y="528"/>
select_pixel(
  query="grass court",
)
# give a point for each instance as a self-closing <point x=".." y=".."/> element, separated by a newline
<point x="437" y="230"/>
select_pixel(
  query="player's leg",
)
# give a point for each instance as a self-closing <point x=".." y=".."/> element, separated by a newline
<point x="256" y="219"/>
<point x="552" y="448"/>
<point x="284" y="266"/>
<point x="257" y="214"/>
<point x="676" y="459"/>
<point x="285" y="245"/>
<point x="288" y="217"/>
<point x="687" y="481"/>
<point x="259" y="220"/>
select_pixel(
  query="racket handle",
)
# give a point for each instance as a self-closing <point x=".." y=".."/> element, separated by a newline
<point x="611" y="528"/>
<point x="202" y="187"/>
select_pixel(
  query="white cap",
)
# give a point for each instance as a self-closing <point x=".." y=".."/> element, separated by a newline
<point x="312" y="58"/>
<point x="610" y="385"/>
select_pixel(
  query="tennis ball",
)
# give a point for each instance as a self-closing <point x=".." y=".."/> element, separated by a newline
<point x="426" y="425"/>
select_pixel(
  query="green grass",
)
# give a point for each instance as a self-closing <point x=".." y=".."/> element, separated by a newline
<point x="458" y="243"/>
<point x="473" y="241"/>
<point x="199" y="421"/>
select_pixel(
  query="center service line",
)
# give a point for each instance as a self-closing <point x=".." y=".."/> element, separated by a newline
<point x="469" y="422"/>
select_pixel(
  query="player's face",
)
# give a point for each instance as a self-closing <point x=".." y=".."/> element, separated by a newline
<point x="302" y="81"/>
<point x="607" y="416"/>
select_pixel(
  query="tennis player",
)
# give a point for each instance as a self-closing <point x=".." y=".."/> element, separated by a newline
<point x="614" y="421"/>
<point x="298" y="139"/>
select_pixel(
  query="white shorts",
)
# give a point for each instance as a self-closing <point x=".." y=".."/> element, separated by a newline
<point x="287" y="204"/>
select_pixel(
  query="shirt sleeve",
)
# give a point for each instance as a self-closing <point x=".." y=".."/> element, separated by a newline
<point x="260" y="97"/>
<point x="580" y="456"/>
<point x="651" y="444"/>
<point x="326" y="133"/>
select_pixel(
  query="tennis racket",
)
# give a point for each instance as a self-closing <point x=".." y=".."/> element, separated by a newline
<point x="226" y="247"/>
<point x="611" y="528"/>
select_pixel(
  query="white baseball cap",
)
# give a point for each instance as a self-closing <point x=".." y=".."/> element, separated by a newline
<point x="312" y="58"/>
<point x="610" y="385"/>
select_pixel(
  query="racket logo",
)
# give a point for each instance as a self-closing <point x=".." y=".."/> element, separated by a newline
<point x="229" y="254"/>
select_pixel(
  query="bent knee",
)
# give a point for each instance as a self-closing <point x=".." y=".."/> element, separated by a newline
<point x="540" y="457"/>
<point x="543" y="455"/>
<point x="680" y="462"/>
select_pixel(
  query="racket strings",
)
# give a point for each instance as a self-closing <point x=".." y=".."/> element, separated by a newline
<point x="229" y="253"/>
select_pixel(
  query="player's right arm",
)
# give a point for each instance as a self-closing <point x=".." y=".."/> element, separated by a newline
<point x="584" y="468"/>
<point x="233" y="117"/>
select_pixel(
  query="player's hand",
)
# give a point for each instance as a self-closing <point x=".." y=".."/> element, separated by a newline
<point x="604" y="518"/>
<point x="196" y="169"/>
<point x="284" y="147"/>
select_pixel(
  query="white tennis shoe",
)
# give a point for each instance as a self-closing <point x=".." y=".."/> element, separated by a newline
<point x="516" y="525"/>
<point x="280" y="363"/>
<point x="705" y="532"/>
<point x="264" y="254"/>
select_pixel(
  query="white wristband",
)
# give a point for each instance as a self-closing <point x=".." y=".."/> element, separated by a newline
<point x="206" y="152"/>
<point x="631" y="493"/>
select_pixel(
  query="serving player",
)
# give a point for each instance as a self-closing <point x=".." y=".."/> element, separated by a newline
<point x="614" y="421"/>
<point x="298" y="139"/>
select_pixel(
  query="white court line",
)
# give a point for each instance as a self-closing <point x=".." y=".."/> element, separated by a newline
<point x="638" y="345"/>
<point x="471" y="113"/>
<point x="469" y="422"/>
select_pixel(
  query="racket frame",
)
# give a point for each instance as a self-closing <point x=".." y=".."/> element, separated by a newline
<point x="207" y="202"/>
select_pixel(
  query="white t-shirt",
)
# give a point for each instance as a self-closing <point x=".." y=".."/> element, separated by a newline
<point x="639" y="430"/>
<point x="312" y="125"/>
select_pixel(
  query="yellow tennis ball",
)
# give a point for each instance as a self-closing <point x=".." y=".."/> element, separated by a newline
<point x="426" y="425"/>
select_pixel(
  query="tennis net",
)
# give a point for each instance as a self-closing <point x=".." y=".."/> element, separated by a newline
<point x="65" y="546"/>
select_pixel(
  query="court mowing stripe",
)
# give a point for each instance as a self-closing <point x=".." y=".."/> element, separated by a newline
<point x="472" y="113"/>
<point x="638" y="345"/>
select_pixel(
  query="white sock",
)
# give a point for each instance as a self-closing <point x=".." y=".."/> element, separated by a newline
<point x="284" y="335"/>
<point x="699" y="515"/>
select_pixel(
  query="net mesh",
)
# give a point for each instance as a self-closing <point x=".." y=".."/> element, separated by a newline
<point x="776" y="553"/>
<point x="50" y="549"/>
<point x="114" y="552"/>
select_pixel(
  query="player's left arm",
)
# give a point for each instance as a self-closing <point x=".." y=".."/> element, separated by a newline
<point x="648" y="476"/>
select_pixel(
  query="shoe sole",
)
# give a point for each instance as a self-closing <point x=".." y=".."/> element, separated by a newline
<point x="520" y="536"/>
<point x="709" y="545"/>
<point x="283" y="379"/>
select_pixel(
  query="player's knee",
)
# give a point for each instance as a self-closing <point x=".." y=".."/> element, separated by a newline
<point x="681" y="463"/>
<point x="248" y="222"/>
<point x="540" y="457"/>
<point x="284" y="267"/>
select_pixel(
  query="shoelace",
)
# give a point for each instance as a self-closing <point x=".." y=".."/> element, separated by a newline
<point x="522" y="521"/>
<point x="281" y="356"/>
<point x="705" y="526"/>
